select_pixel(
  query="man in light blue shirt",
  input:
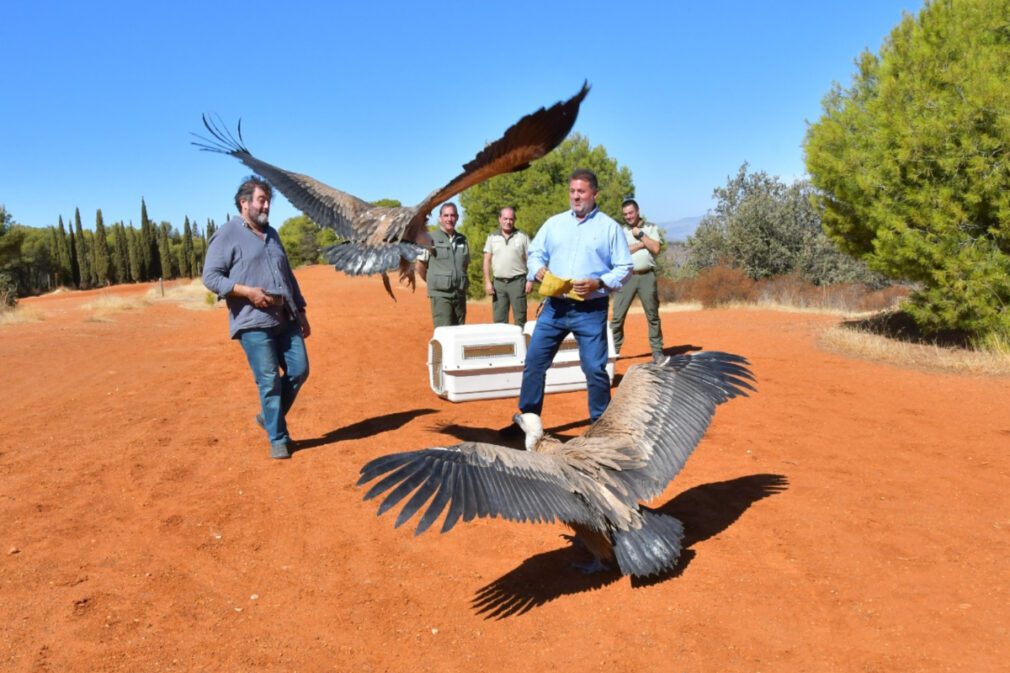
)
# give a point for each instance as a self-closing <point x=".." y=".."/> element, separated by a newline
<point x="587" y="246"/>
<point x="247" y="266"/>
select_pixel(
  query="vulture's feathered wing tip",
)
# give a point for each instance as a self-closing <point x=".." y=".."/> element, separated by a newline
<point x="726" y="371"/>
<point x="223" y="140"/>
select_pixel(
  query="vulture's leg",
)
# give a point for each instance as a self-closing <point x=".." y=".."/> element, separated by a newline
<point x="596" y="543"/>
<point x="594" y="566"/>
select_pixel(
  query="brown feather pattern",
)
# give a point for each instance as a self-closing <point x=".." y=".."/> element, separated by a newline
<point x="379" y="239"/>
<point x="656" y="418"/>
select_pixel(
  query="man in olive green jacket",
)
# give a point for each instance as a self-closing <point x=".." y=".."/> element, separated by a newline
<point x="444" y="269"/>
<point x="644" y="241"/>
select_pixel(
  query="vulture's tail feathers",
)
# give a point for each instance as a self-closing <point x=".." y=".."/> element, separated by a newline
<point x="359" y="259"/>
<point x="651" y="549"/>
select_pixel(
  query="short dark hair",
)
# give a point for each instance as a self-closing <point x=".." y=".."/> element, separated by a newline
<point x="248" y="186"/>
<point x="629" y="201"/>
<point x="448" y="204"/>
<point x="587" y="175"/>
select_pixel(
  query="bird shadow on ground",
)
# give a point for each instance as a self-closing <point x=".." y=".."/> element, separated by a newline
<point x="362" y="429"/>
<point x="705" y="511"/>
<point x="667" y="350"/>
<point x="494" y="436"/>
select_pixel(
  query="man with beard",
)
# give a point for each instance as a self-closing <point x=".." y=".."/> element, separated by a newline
<point x="588" y="250"/>
<point x="247" y="266"/>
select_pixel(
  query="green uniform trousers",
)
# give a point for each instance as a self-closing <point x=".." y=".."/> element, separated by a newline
<point x="448" y="311"/>
<point x="509" y="292"/>
<point x="644" y="285"/>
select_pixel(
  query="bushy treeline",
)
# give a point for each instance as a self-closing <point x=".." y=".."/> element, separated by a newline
<point x="34" y="260"/>
<point x="766" y="228"/>
<point x="537" y="193"/>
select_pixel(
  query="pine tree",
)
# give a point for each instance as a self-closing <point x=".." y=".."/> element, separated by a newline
<point x="83" y="254"/>
<point x="102" y="262"/>
<point x="910" y="163"/>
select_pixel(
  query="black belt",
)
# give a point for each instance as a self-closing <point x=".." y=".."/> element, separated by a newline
<point x="509" y="280"/>
<point x="642" y="273"/>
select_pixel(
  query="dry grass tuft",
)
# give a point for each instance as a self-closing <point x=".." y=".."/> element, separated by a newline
<point x="19" y="315"/>
<point x="192" y="295"/>
<point x="859" y="343"/>
<point x="114" y="304"/>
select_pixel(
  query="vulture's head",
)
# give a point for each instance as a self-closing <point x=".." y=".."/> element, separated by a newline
<point x="532" y="426"/>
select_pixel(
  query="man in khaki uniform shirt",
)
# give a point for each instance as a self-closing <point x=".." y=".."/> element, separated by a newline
<point x="505" y="269"/>
<point x="644" y="242"/>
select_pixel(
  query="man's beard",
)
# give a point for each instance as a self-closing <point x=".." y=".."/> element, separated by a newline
<point x="262" y="219"/>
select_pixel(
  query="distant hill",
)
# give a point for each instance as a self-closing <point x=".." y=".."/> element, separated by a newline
<point x="679" y="230"/>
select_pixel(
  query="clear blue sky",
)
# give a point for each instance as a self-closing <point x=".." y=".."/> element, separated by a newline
<point x="389" y="99"/>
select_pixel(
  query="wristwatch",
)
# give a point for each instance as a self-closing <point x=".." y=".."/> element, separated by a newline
<point x="639" y="235"/>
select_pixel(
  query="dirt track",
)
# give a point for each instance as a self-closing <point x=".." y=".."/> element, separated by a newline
<point x="848" y="517"/>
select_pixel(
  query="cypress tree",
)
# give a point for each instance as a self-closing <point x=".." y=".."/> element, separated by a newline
<point x="75" y="270"/>
<point x="102" y="262"/>
<point x="150" y="269"/>
<point x="66" y="274"/>
<point x="124" y="252"/>
<point x="186" y="253"/>
<point x="133" y="253"/>
<point x="118" y="271"/>
<point x="83" y="254"/>
<point x="164" y="252"/>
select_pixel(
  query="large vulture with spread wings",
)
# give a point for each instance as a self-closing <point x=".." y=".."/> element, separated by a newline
<point x="593" y="483"/>
<point x="380" y="239"/>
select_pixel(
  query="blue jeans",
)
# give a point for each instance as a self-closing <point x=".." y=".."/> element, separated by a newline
<point x="588" y="322"/>
<point x="268" y="351"/>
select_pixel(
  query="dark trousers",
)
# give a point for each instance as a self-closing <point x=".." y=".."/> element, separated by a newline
<point x="587" y="320"/>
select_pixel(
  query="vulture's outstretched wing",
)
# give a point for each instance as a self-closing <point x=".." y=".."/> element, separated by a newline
<point x="528" y="139"/>
<point x="475" y="479"/>
<point x="656" y="418"/>
<point x="326" y="206"/>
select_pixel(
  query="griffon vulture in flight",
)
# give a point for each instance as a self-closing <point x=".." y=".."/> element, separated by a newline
<point x="379" y="239"/>
<point x="593" y="483"/>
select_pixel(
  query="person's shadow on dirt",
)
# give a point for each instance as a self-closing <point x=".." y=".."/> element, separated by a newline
<point x="705" y="511"/>
<point x="362" y="429"/>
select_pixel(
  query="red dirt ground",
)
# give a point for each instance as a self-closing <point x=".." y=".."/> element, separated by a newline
<point x="850" y="516"/>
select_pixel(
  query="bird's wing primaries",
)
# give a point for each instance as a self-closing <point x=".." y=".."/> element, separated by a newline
<point x="657" y="416"/>
<point x="326" y="206"/>
<point x="528" y="139"/>
<point x="477" y="480"/>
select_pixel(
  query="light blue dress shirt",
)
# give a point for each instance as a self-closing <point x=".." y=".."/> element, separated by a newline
<point x="236" y="255"/>
<point x="593" y="248"/>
